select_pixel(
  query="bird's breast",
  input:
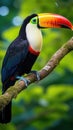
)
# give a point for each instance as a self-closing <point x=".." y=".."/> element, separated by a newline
<point x="34" y="37"/>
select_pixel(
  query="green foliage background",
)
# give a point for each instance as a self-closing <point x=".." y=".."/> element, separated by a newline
<point x="47" y="105"/>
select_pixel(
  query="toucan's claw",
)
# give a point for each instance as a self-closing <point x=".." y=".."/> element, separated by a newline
<point x="26" y="81"/>
<point x="36" y="73"/>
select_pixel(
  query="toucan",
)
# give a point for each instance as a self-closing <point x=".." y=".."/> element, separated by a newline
<point x="24" y="50"/>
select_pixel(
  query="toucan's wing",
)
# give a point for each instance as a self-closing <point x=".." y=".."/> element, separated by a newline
<point x="15" y="54"/>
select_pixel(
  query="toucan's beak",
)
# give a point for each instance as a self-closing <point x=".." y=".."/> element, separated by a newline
<point x="49" y="20"/>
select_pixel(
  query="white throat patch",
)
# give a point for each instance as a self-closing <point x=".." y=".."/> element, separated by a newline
<point x="34" y="36"/>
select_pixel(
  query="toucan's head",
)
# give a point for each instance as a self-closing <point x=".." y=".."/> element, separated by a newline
<point x="49" y="20"/>
<point x="46" y="20"/>
<point x="30" y="28"/>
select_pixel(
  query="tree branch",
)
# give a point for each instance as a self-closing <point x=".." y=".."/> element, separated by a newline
<point x="13" y="91"/>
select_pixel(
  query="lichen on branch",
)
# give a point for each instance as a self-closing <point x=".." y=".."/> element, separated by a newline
<point x="13" y="91"/>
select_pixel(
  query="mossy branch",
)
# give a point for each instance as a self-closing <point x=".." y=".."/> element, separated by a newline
<point x="13" y="91"/>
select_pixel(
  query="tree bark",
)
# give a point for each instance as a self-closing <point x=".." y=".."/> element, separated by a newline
<point x="13" y="91"/>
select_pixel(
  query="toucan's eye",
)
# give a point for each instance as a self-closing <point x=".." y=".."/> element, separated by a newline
<point x="34" y="20"/>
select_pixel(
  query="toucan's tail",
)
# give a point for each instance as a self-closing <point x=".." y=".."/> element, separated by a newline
<point x="5" y="113"/>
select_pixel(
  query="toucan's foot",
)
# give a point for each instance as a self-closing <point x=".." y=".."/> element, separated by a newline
<point x="26" y="81"/>
<point x="36" y="73"/>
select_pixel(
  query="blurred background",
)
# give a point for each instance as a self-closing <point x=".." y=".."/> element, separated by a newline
<point x="47" y="105"/>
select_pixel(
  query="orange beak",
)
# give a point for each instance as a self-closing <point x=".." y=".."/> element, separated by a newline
<point x="49" y="20"/>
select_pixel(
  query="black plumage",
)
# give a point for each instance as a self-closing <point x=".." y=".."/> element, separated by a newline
<point x="17" y="61"/>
